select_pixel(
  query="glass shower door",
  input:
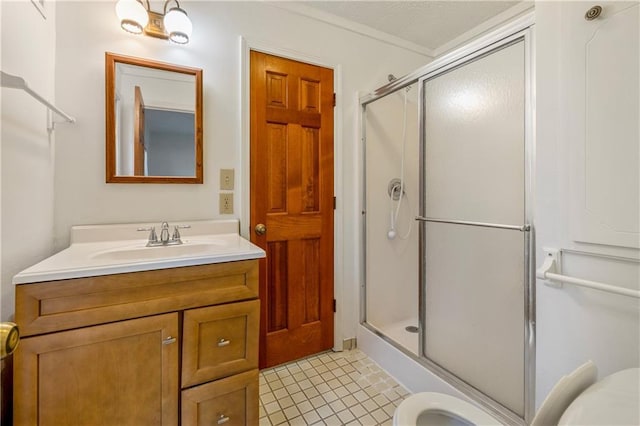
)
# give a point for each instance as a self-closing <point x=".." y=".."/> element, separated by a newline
<point x="474" y="237"/>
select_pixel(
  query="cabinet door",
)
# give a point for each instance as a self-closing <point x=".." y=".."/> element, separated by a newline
<point x="124" y="373"/>
<point x="232" y="401"/>
<point x="219" y="341"/>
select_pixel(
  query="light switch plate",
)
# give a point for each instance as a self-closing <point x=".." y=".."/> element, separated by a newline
<point x="226" y="203"/>
<point x="226" y="179"/>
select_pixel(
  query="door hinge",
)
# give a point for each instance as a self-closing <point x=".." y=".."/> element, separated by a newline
<point x="334" y="99"/>
<point x="334" y="203"/>
<point x="334" y="305"/>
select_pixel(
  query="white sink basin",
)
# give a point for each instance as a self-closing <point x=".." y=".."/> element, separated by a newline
<point x="187" y="249"/>
<point x="116" y="249"/>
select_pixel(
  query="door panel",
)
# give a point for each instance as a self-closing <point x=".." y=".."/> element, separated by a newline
<point x="311" y="271"/>
<point x="310" y="170"/>
<point x="292" y="194"/>
<point x="138" y="138"/>
<point x="276" y="167"/>
<point x="277" y="285"/>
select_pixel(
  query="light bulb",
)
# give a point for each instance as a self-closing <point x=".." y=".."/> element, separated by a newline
<point x="178" y="25"/>
<point x="133" y="16"/>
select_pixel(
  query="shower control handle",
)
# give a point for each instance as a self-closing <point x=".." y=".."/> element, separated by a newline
<point x="261" y="229"/>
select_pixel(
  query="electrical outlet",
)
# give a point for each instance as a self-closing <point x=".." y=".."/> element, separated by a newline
<point x="226" y="203"/>
<point x="226" y="179"/>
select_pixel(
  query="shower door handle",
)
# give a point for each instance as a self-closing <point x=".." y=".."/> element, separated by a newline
<point x="261" y="229"/>
<point x="523" y="228"/>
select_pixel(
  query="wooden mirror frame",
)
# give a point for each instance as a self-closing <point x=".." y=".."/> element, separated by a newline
<point x="111" y="60"/>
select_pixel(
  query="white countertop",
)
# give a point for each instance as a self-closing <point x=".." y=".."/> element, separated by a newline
<point x="113" y="249"/>
<point x="614" y="400"/>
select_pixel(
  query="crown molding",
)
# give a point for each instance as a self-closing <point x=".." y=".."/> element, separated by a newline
<point x="346" y="24"/>
<point x="490" y="24"/>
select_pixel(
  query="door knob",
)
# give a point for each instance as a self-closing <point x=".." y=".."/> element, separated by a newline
<point x="261" y="229"/>
<point x="9" y="337"/>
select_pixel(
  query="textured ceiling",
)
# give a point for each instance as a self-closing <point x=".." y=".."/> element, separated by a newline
<point x="430" y="24"/>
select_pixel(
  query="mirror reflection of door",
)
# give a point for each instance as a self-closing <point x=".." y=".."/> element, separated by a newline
<point x="138" y="136"/>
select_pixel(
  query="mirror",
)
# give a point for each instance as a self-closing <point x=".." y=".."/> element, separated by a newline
<point x="153" y="121"/>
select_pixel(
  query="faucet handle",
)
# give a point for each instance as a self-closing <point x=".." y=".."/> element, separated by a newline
<point x="176" y="233"/>
<point x="153" y="237"/>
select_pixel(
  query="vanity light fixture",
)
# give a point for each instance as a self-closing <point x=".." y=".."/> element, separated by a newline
<point x="172" y="24"/>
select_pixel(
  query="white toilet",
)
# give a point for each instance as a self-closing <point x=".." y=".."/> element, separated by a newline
<point x="437" y="409"/>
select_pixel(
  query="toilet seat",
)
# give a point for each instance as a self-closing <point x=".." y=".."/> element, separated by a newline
<point x="411" y="408"/>
<point x="563" y="393"/>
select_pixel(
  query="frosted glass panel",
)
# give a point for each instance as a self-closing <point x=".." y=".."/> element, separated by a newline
<point x="474" y="317"/>
<point x="474" y="129"/>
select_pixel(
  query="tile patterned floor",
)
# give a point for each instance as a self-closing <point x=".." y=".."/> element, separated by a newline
<point x="331" y="388"/>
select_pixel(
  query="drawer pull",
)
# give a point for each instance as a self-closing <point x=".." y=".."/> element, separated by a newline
<point x="223" y="342"/>
<point x="169" y="340"/>
<point x="222" y="419"/>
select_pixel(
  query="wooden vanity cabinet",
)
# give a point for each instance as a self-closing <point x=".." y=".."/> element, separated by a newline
<point x="93" y="375"/>
<point x="188" y="354"/>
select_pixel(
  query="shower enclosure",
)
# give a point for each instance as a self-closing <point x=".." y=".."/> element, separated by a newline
<point x="447" y="220"/>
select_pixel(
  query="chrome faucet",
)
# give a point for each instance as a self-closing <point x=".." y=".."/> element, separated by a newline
<point x="164" y="233"/>
<point x="164" y="239"/>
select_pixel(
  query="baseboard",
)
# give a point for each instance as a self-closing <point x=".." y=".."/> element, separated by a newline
<point x="348" y="344"/>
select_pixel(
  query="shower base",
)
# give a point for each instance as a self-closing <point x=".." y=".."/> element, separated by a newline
<point x="397" y="332"/>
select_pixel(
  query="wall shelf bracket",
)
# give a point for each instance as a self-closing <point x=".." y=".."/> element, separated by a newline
<point x="551" y="273"/>
<point x="15" y="82"/>
<point x="552" y="264"/>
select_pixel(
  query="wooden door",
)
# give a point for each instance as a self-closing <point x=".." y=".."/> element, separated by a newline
<point x="292" y="195"/>
<point x="124" y="373"/>
<point x="138" y="136"/>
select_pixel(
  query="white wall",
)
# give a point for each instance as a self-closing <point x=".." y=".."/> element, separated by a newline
<point x="171" y="153"/>
<point x="85" y="30"/>
<point x="573" y="324"/>
<point x="28" y="50"/>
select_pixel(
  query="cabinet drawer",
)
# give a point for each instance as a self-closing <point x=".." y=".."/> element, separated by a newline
<point x="230" y="402"/>
<point x="219" y="341"/>
<point x="66" y="304"/>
